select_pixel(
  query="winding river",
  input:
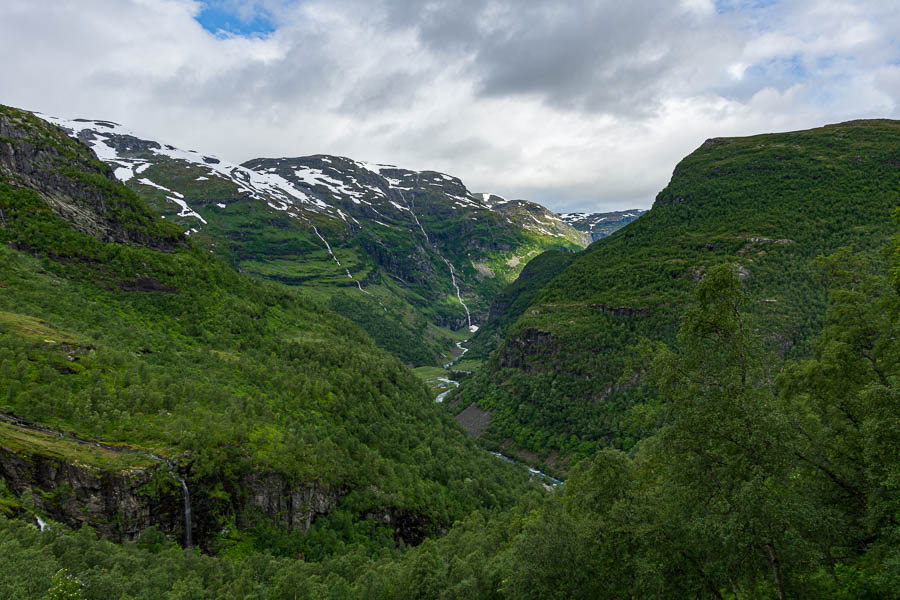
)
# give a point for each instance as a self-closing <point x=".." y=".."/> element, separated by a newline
<point x="440" y="398"/>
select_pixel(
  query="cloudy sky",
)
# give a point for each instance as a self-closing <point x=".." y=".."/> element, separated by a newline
<point x="577" y="104"/>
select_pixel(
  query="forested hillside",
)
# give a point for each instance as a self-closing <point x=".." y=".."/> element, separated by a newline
<point x="770" y="204"/>
<point x="171" y="428"/>
<point x="765" y="479"/>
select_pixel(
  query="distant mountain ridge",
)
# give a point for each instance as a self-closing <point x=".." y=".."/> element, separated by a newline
<point x="599" y="225"/>
<point x="407" y="255"/>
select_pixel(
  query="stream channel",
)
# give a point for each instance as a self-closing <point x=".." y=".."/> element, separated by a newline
<point x="440" y="398"/>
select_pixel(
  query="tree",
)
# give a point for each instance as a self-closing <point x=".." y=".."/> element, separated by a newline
<point x="729" y="507"/>
<point x="65" y="586"/>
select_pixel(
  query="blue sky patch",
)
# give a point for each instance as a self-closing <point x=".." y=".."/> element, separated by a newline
<point x="727" y="6"/>
<point x="221" y="18"/>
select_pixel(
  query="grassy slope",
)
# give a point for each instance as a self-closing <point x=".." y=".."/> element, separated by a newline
<point x="553" y="382"/>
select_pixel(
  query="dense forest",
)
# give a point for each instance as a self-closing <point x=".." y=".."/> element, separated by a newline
<point x="765" y="479"/>
<point x="172" y="353"/>
<point x="732" y="464"/>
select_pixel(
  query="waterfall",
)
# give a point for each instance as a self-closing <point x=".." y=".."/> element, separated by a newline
<point x="458" y="295"/>
<point x="328" y="247"/>
<point x="472" y="328"/>
<point x="185" y="496"/>
<point x="346" y="270"/>
<point x="188" y="539"/>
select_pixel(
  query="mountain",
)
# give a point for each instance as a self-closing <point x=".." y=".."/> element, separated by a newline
<point x="411" y="257"/>
<point x="600" y="225"/>
<point x="770" y="203"/>
<point x="153" y="399"/>
<point x="146" y="384"/>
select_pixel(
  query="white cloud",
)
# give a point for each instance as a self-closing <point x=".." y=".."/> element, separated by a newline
<point x="584" y="106"/>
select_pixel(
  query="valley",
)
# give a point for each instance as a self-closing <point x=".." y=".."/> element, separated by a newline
<point x="319" y="377"/>
<point x="408" y="256"/>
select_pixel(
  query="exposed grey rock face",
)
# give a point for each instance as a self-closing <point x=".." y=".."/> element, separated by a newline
<point x="118" y="506"/>
<point x="78" y="494"/>
<point x="293" y="506"/>
<point x="122" y="502"/>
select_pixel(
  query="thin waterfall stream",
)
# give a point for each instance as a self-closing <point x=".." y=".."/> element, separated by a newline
<point x="188" y="537"/>
<point x="185" y="493"/>
<point x="472" y="328"/>
<point x="346" y="270"/>
<point x="185" y="499"/>
<point x="327" y="247"/>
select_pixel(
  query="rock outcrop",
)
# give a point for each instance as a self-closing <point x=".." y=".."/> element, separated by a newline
<point x="76" y="494"/>
<point x="75" y="185"/>
<point x="292" y="506"/>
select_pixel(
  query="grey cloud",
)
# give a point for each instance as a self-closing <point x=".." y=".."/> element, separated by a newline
<point x="581" y="104"/>
<point x="595" y="55"/>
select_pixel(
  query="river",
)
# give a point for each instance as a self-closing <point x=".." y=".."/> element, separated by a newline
<point x="440" y="398"/>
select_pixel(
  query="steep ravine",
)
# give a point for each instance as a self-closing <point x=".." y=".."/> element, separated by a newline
<point x="552" y="481"/>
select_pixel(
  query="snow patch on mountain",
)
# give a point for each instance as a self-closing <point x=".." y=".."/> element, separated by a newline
<point x="101" y="136"/>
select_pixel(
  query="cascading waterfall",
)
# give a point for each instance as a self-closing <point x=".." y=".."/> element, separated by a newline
<point x="185" y="493"/>
<point x="185" y="497"/>
<point x="188" y="538"/>
<point x="458" y="295"/>
<point x="472" y="328"/>
<point x="328" y="247"/>
<point x="346" y="270"/>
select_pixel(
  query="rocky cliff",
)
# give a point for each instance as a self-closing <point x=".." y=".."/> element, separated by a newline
<point x="121" y="491"/>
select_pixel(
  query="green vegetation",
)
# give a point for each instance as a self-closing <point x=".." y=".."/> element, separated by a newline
<point x="748" y="467"/>
<point x="770" y="203"/>
<point x="765" y="479"/>
<point x="26" y="443"/>
<point x="409" y="299"/>
<point x="228" y="376"/>
<point x="511" y="302"/>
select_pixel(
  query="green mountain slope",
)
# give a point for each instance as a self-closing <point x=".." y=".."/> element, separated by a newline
<point x="770" y="203"/>
<point x="509" y="304"/>
<point x="764" y="478"/>
<point x="273" y="411"/>
<point x="411" y="257"/>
